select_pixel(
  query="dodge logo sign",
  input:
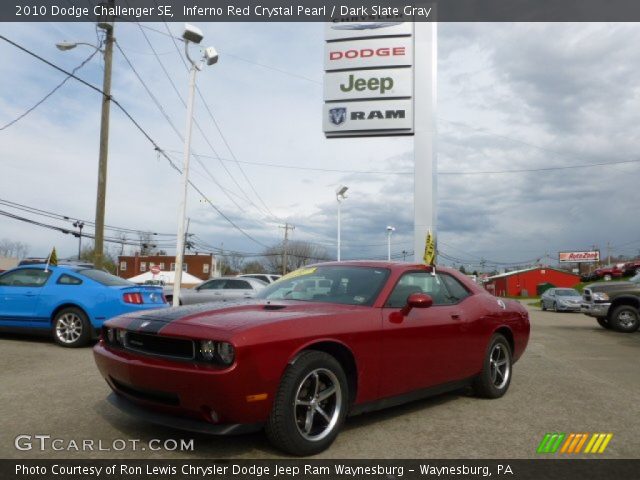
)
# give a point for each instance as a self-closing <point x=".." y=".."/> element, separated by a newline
<point x="337" y="116"/>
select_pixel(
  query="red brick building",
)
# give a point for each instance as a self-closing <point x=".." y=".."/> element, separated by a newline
<point x="523" y="283"/>
<point x="199" y="265"/>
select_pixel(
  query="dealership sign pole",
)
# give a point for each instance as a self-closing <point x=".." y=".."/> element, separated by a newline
<point x="373" y="86"/>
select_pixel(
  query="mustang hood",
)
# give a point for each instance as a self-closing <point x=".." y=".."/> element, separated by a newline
<point x="232" y="316"/>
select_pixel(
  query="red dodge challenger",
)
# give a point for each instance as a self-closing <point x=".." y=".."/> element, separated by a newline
<point x="324" y="342"/>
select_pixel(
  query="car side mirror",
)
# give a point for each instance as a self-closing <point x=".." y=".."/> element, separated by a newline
<point x="416" y="300"/>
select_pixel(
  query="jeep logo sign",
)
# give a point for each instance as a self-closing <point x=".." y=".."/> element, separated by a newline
<point x="366" y="84"/>
<point x="351" y="117"/>
<point x="356" y="54"/>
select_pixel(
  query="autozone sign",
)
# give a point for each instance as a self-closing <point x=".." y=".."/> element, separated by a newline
<point x="364" y="84"/>
<point x="353" y="55"/>
<point x="579" y="257"/>
<point x="349" y="118"/>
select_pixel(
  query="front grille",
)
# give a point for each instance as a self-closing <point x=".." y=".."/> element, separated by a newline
<point x="149" y="395"/>
<point x="158" y="345"/>
<point x="586" y="295"/>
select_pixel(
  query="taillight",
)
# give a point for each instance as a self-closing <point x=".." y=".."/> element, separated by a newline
<point x="135" y="298"/>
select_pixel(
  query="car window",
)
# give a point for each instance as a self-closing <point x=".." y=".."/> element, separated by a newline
<point x="104" y="278"/>
<point x="419" y="282"/>
<point x="212" y="285"/>
<point x="68" y="280"/>
<point x="237" y="285"/>
<point x="569" y="292"/>
<point x="456" y="290"/>
<point x="330" y="284"/>
<point x="26" y="277"/>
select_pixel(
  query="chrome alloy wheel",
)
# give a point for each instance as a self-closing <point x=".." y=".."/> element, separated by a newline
<point x="499" y="366"/>
<point x="318" y="404"/>
<point x="69" y="328"/>
<point x="626" y="319"/>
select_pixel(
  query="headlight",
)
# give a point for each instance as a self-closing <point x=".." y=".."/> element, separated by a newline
<point x="226" y="353"/>
<point x="120" y="336"/>
<point x="207" y="350"/>
<point x="600" y="296"/>
<point x="221" y="353"/>
<point x="111" y="336"/>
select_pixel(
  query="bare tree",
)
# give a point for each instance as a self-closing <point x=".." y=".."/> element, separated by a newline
<point x="10" y="248"/>
<point x="299" y="253"/>
<point x="253" y="266"/>
<point x="147" y="245"/>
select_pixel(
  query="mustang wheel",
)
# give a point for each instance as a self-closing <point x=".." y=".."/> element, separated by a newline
<point x="604" y="323"/>
<point x="494" y="380"/>
<point x="71" y="328"/>
<point x="625" y="319"/>
<point x="310" y="406"/>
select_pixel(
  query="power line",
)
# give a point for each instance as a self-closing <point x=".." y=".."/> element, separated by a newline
<point x="142" y="130"/>
<point x="222" y="136"/>
<point x="46" y="97"/>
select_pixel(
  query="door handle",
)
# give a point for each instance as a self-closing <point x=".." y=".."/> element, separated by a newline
<point x="455" y="316"/>
<point x="30" y="294"/>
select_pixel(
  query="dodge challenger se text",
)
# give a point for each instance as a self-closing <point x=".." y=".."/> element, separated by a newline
<point x="324" y="342"/>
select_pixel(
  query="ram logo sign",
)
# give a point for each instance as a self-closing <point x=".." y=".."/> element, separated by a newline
<point x="363" y="116"/>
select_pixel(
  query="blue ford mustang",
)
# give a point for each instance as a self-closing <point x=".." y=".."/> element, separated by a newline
<point x="71" y="302"/>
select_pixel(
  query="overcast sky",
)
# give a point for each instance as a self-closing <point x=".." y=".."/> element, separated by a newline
<point x="510" y="97"/>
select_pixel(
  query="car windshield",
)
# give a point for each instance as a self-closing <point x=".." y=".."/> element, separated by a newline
<point x="569" y="292"/>
<point x="105" y="278"/>
<point x="330" y="284"/>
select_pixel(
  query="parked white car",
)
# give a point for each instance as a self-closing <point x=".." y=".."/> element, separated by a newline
<point x="265" y="277"/>
<point x="220" y="289"/>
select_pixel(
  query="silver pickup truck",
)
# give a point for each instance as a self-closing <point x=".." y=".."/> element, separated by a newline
<point x="615" y="305"/>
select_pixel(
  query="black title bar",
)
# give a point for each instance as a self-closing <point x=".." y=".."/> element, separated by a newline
<point x="321" y="11"/>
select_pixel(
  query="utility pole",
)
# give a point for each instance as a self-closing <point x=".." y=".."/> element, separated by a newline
<point x="608" y="253"/>
<point x="107" y="26"/>
<point x="286" y="227"/>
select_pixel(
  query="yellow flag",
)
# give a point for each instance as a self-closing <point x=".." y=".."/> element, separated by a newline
<point x="430" y="250"/>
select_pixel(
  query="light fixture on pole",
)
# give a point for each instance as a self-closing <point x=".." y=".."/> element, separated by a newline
<point x="191" y="34"/>
<point x="79" y="225"/>
<point x="341" y="194"/>
<point x="390" y="230"/>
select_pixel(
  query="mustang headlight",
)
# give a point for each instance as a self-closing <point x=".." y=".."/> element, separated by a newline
<point x="207" y="350"/>
<point x="600" y="296"/>
<point x="226" y="353"/>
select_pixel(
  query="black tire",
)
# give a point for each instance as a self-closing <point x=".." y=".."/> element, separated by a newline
<point x="489" y="384"/>
<point x="625" y="319"/>
<point x="288" y="427"/>
<point x="71" y="328"/>
<point x="604" y="323"/>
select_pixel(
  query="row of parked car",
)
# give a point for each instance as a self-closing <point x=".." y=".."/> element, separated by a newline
<point x="609" y="272"/>
<point x="72" y="301"/>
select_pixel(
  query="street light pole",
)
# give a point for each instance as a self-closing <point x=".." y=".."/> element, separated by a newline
<point x="194" y="35"/>
<point x="341" y="194"/>
<point x="390" y="230"/>
<point x="185" y="185"/>
<point x="104" y="146"/>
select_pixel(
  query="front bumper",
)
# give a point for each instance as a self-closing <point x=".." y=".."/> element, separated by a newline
<point x="569" y="307"/>
<point x="183" y="394"/>
<point x="179" y="423"/>
<point x="595" y="309"/>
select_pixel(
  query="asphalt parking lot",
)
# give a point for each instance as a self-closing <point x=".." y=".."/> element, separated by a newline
<point x="574" y="377"/>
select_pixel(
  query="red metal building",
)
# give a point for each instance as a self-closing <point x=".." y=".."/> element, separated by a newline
<point x="523" y="283"/>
